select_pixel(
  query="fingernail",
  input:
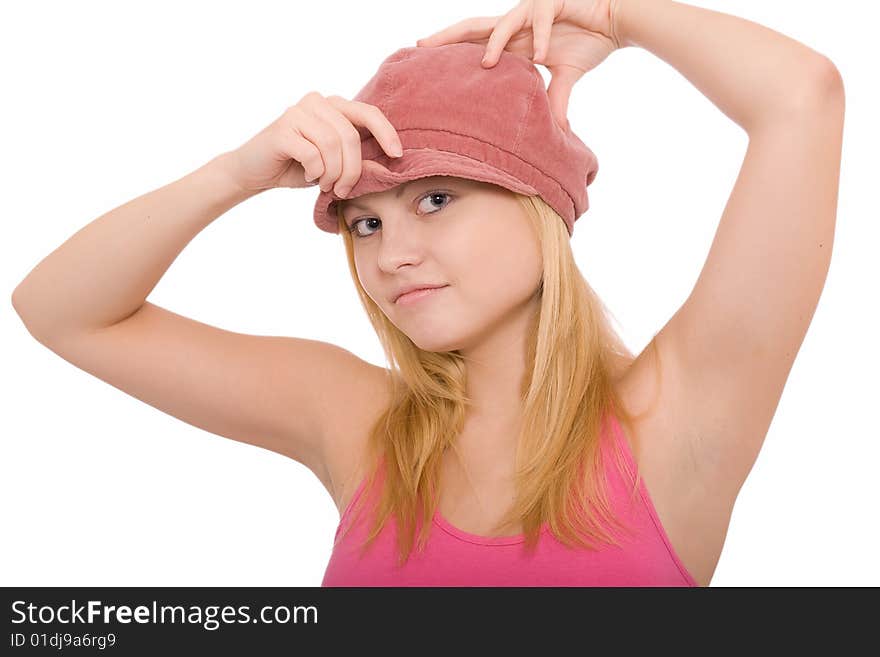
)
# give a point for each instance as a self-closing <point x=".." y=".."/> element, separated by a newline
<point x="397" y="150"/>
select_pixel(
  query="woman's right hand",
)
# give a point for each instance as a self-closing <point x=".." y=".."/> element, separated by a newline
<point x="316" y="138"/>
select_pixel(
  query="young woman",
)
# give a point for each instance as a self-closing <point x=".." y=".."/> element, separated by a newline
<point x="496" y="438"/>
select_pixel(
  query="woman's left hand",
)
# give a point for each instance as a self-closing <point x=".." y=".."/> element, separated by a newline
<point x="569" y="37"/>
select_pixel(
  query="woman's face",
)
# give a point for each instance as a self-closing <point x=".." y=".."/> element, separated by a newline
<point x="474" y="237"/>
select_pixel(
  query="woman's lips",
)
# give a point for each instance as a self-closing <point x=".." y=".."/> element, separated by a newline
<point x="417" y="295"/>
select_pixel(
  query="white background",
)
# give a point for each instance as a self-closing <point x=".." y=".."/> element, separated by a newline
<point x="105" y="101"/>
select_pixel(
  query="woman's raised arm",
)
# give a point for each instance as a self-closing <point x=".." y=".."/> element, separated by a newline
<point x="752" y="73"/>
<point x="730" y="347"/>
<point x="104" y="272"/>
<point x="86" y="301"/>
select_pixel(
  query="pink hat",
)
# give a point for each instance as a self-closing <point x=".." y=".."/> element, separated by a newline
<point x="456" y="118"/>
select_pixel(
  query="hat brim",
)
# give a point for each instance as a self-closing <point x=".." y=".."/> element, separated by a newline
<point x="414" y="163"/>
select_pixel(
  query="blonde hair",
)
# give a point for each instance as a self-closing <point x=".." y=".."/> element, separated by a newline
<point x="572" y="356"/>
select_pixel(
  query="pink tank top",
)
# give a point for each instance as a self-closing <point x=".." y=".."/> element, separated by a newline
<point x="453" y="557"/>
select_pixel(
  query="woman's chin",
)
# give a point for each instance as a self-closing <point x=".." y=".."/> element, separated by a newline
<point x="436" y="346"/>
<point x="435" y="343"/>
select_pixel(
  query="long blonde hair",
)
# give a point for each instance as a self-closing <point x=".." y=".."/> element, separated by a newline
<point x="573" y="354"/>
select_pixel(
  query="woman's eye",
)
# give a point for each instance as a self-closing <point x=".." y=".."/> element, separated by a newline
<point x="432" y="197"/>
<point x="431" y="203"/>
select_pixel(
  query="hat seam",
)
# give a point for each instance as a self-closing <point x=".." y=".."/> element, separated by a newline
<point x="522" y="122"/>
